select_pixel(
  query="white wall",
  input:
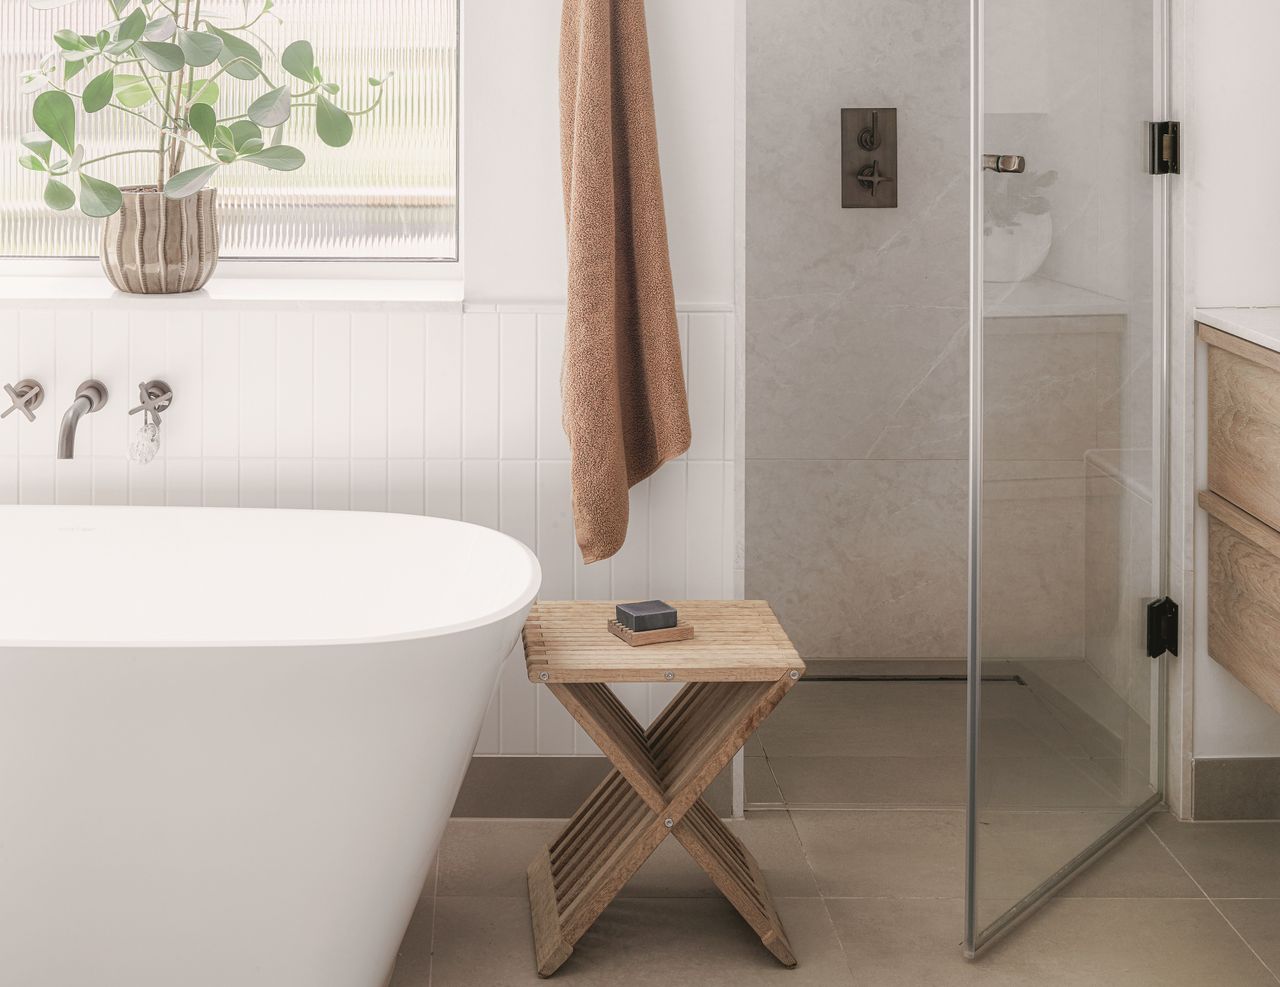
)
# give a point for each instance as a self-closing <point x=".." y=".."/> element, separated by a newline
<point x="513" y="217"/>
<point x="1232" y="245"/>
<point x="1235" y="207"/>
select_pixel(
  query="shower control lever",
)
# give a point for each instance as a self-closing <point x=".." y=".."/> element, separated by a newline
<point x="25" y="396"/>
<point x="156" y="396"/>
<point x="1010" y="164"/>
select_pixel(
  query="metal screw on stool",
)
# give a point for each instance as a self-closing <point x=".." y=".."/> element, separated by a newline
<point x="543" y="676"/>
<point x="669" y="676"/>
<point x="794" y="676"/>
<point x="668" y="823"/>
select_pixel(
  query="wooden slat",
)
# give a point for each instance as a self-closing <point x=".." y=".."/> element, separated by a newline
<point x="1244" y="430"/>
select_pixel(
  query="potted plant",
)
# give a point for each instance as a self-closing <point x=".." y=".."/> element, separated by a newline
<point x="1018" y="228"/>
<point x="198" y="80"/>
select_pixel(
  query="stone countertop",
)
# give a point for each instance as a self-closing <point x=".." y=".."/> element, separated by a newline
<point x="1256" y="325"/>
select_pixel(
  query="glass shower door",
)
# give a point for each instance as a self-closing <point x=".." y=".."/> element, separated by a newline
<point x="1068" y="453"/>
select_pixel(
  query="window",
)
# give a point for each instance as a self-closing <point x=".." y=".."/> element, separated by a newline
<point x="391" y="193"/>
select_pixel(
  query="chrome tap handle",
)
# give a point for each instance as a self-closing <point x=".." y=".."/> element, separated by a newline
<point x="25" y="396"/>
<point x="156" y="397"/>
<point x="1010" y="164"/>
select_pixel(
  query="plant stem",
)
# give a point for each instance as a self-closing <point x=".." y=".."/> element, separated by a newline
<point x="118" y="154"/>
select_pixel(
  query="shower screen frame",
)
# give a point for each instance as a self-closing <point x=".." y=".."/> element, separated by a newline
<point x="977" y="936"/>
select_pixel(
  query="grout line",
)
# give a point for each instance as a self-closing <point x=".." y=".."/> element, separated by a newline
<point x="1214" y="904"/>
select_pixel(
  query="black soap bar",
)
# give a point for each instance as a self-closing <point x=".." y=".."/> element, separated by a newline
<point x="653" y="615"/>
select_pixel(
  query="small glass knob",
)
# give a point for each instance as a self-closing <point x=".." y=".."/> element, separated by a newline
<point x="145" y="444"/>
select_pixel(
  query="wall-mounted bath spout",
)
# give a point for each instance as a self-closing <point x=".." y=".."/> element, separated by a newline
<point x="90" y="396"/>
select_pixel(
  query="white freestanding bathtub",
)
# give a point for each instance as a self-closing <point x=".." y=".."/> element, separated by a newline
<point x="230" y="739"/>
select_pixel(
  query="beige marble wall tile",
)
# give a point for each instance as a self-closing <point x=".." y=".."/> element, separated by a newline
<point x="858" y="558"/>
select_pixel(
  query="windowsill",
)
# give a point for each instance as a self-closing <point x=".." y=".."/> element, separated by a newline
<point x="289" y="293"/>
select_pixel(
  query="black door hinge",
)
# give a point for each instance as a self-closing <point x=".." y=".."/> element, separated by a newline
<point x="1162" y="627"/>
<point x="1166" y="148"/>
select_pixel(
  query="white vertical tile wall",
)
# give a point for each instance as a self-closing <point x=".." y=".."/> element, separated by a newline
<point x="437" y="412"/>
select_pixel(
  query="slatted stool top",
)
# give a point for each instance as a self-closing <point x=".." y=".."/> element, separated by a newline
<point x="734" y="641"/>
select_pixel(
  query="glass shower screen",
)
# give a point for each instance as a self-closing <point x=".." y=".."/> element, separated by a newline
<point x="1068" y="453"/>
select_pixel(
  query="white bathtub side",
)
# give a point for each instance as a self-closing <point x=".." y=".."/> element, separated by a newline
<point x="263" y="817"/>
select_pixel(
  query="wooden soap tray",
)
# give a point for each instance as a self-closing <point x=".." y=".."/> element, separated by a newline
<point x="664" y="635"/>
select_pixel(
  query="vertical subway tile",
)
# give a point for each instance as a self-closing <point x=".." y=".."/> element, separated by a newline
<point x="517" y="386"/>
<point x="368" y="484"/>
<point x="257" y="483"/>
<point x="706" y="385"/>
<point x="221" y="361"/>
<point x="480" y="391"/>
<point x="406" y="385"/>
<point x="332" y="408"/>
<point x="519" y="727"/>
<point x="480" y="502"/>
<point x="221" y="483"/>
<point x="9" y="467"/>
<point x="407" y="486"/>
<point x="295" y="384"/>
<point x="667" y="531"/>
<point x="294" y="482"/>
<point x="555" y="725"/>
<point x="556" y="547"/>
<point x="183" y="482"/>
<point x="631" y="564"/>
<point x="73" y="480"/>
<point x="490" y="739"/>
<point x="594" y="581"/>
<point x="332" y="484"/>
<point x="183" y="430"/>
<point x="258" y="385"/>
<point x="110" y="364"/>
<point x="444" y="488"/>
<point x="147" y="483"/>
<point x="369" y="385"/>
<point x="110" y="479"/>
<point x="36" y="481"/>
<point x="9" y="374"/>
<point x="705" y="548"/>
<point x="552" y="443"/>
<point x="444" y="386"/>
<point x="73" y="365"/>
<point x="518" y="500"/>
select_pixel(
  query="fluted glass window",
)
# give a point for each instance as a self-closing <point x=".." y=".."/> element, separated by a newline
<point x="390" y="193"/>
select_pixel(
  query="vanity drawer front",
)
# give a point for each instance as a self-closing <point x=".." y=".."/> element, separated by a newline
<point x="1244" y="424"/>
<point x="1244" y="597"/>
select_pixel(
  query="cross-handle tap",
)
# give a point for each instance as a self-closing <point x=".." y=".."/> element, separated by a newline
<point x="156" y="396"/>
<point x="26" y="396"/>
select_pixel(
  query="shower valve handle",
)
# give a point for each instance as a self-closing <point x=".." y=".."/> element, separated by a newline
<point x="1005" y="164"/>
<point x="25" y="396"/>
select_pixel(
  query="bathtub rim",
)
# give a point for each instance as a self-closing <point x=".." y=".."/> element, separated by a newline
<point x="522" y="601"/>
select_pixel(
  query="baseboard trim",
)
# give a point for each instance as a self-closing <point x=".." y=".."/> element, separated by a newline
<point x="1233" y="788"/>
<point x="546" y="787"/>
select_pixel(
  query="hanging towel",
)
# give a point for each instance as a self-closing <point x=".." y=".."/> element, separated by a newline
<point x="625" y="408"/>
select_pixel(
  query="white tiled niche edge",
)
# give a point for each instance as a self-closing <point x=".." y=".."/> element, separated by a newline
<point x="455" y="414"/>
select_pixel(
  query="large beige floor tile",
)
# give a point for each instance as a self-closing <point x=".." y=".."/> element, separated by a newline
<point x="894" y="853"/>
<point x="1228" y="860"/>
<point x="489" y="858"/>
<point x="1258" y="920"/>
<point x="637" y="941"/>
<point x="413" y="962"/>
<point x="1069" y="943"/>
<point x="905" y="782"/>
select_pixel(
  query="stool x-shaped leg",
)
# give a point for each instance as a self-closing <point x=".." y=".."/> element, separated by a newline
<point x="654" y="790"/>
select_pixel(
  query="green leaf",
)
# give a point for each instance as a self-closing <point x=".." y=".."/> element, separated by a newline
<point x="243" y="130"/>
<point x="33" y="162"/>
<point x="98" y="93"/>
<point x="102" y="39"/>
<point x="58" y="196"/>
<point x="234" y="48"/>
<point x="374" y="82"/>
<point x="298" y="60"/>
<point x="69" y="40"/>
<point x="164" y="56"/>
<point x="204" y="122"/>
<point x="226" y="155"/>
<point x="223" y="137"/>
<point x="199" y="47"/>
<point x="271" y="109"/>
<point x="38" y="145"/>
<point x="201" y="91"/>
<point x="132" y="27"/>
<point x="332" y="123"/>
<point x="73" y="68"/>
<point x="189" y="182"/>
<point x="160" y="29"/>
<point x="55" y="114"/>
<point x="282" y="157"/>
<point x="132" y="91"/>
<point x="252" y="146"/>
<point x="98" y="199"/>
<point x="331" y="87"/>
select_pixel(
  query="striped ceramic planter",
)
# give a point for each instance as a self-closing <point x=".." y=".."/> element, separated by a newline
<point x="154" y="245"/>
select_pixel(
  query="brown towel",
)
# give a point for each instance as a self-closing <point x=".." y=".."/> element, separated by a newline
<point x="625" y="408"/>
